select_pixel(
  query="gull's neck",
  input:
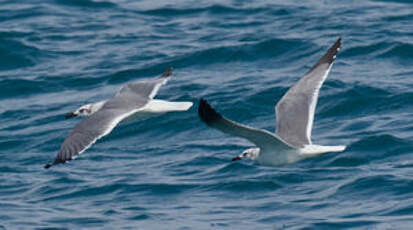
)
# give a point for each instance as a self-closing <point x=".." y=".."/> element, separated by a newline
<point x="97" y="106"/>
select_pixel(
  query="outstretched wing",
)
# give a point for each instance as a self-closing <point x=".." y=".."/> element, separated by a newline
<point x="94" y="127"/>
<point x="259" y="137"/>
<point x="147" y="88"/>
<point x="295" y="110"/>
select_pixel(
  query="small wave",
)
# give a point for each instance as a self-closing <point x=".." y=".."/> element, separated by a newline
<point x="363" y="187"/>
<point x="395" y="1"/>
<point x="199" y="161"/>
<point x="213" y="9"/>
<point x="18" y="88"/>
<point x="401" y="51"/>
<point x="84" y="222"/>
<point x="22" y="13"/>
<point x="121" y="188"/>
<point x="223" y="54"/>
<point x="372" y="148"/>
<point x="87" y="3"/>
<point x="343" y="224"/>
<point x="356" y="100"/>
<point x="403" y="208"/>
<point x="239" y="53"/>
<point x="364" y="50"/>
<point x="21" y="88"/>
<point x="9" y="144"/>
<point x="15" y="54"/>
<point x="397" y="18"/>
<point x="371" y="143"/>
<point x="240" y="186"/>
<point x="140" y="217"/>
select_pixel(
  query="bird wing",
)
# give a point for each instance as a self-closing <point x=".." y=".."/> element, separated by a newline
<point x="259" y="137"/>
<point x="295" y="110"/>
<point x="94" y="127"/>
<point x="147" y="88"/>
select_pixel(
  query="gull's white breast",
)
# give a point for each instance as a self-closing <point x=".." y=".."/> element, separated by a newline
<point x="276" y="157"/>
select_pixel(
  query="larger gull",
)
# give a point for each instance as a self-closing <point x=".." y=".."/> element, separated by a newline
<point x="295" y="116"/>
<point x="132" y="99"/>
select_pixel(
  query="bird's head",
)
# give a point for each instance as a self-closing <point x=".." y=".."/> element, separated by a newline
<point x="84" y="110"/>
<point x="251" y="153"/>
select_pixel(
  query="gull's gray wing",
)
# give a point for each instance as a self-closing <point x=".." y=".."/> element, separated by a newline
<point x="295" y="110"/>
<point x="99" y="124"/>
<point x="147" y="88"/>
<point x="132" y="98"/>
<point x="261" y="138"/>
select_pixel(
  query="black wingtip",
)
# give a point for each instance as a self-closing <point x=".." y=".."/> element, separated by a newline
<point x="57" y="161"/>
<point x="331" y="54"/>
<point x="206" y="112"/>
<point x="167" y="72"/>
<point x="334" y="48"/>
<point x="337" y="44"/>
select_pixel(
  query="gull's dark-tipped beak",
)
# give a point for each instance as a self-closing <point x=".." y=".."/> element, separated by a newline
<point x="236" y="158"/>
<point x="70" y="115"/>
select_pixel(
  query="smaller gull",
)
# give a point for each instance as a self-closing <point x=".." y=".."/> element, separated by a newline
<point x="133" y="99"/>
<point x="295" y="116"/>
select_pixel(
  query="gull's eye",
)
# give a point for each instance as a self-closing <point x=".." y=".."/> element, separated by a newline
<point x="82" y="110"/>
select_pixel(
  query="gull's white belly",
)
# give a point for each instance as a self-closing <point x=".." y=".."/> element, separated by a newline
<point x="281" y="157"/>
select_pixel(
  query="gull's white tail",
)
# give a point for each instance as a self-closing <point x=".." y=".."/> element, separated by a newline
<point x="161" y="106"/>
<point x="314" y="150"/>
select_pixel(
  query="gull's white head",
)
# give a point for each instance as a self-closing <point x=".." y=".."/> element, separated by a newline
<point x="251" y="153"/>
<point x="86" y="110"/>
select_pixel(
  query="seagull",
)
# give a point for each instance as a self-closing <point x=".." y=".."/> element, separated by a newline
<point x="295" y="116"/>
<point x="102" y="117"/>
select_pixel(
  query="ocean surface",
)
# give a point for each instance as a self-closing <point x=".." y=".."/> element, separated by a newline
<point x="172" y="171"/>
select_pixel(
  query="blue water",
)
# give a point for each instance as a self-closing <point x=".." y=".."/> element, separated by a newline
<point x="172" y="171"/>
